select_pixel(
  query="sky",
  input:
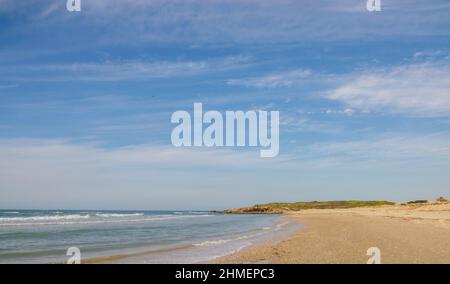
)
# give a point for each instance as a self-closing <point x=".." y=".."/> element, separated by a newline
<point x="86" y="100"/>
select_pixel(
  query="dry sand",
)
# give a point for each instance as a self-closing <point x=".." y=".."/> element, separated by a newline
<point x="404" y="234"/>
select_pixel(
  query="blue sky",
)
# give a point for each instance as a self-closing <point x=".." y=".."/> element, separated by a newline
<point x="86" y="100"/>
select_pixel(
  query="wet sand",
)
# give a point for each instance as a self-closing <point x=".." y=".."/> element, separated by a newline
<point x="404" y="234"/>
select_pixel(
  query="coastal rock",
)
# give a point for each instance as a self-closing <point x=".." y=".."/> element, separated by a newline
<point x="255" y="210"/>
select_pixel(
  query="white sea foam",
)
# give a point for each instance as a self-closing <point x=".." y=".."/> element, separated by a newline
<point x="224" y="241"/>
<point x="262" y="231"/>
<point x="91" y="221"/>
<point x="45" y="218"/>
<point x="115" y="215"/>
<point x="212" y="243"/>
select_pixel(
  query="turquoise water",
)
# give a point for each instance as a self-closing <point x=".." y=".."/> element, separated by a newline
<point x="43" y="236"/>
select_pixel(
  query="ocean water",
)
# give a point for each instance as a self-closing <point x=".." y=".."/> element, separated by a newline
<point x="43" y="236"/>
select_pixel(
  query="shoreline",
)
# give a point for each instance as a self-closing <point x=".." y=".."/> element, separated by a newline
<point x="281" y="230"/>
<point x="413" y="233"/>
<point x="404" y="234"/>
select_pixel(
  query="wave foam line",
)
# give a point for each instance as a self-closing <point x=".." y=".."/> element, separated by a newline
<point x="101" y="221"/>
<point x="45" y="218"/>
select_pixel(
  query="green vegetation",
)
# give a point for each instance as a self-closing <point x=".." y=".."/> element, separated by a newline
<point x="441" y="199"/>
<point x="326" y="204"/>
<point x="417" y="202"/>
<point x="276" y="208"/>
<point x="257" y="209"/>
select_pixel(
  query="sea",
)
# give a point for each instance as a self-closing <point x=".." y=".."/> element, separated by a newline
<point x="138" y="236"/>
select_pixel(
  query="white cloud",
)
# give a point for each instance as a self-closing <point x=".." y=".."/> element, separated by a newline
<point x="294" y="122"/>
<point x="413" y="90"/>
<point x="346" y="111"/>
<point x="251" y="21"/>
<point x="36" y="155"/>
<point x="21" y="152"/>
<point x="60" y="174"/>
<point x="118" y="71"/>
<point x="273" y="80"/>
<point x="51" y="8"/>
<point x="413" y="152"/>
<point x="60" y="163"/>
<point x="8" y="86"/>
<point x="59" y="159"/>
<point x="266" y="21"/>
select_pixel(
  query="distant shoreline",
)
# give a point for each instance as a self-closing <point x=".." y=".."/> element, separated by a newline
<point x="288" y="207"/>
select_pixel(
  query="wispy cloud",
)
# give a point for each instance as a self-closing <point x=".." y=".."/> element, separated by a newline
<point x="49" y="173"/>
<point x="413" y="90"/>
<point x="407" y="152"/>
<point x="294" y="122"/>
<point x="3" y="87"/>
<point x="118" y="71"/>
<point x="273" y="80"/>
<point x="19" y="152"/>
<point x="51" y="8"/>
<point x="251" y="21"/>
<point x="56" y="155"/>
<point x="58" y="173"/>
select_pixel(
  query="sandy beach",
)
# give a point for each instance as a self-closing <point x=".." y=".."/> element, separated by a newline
<point x="403" y="233"/>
